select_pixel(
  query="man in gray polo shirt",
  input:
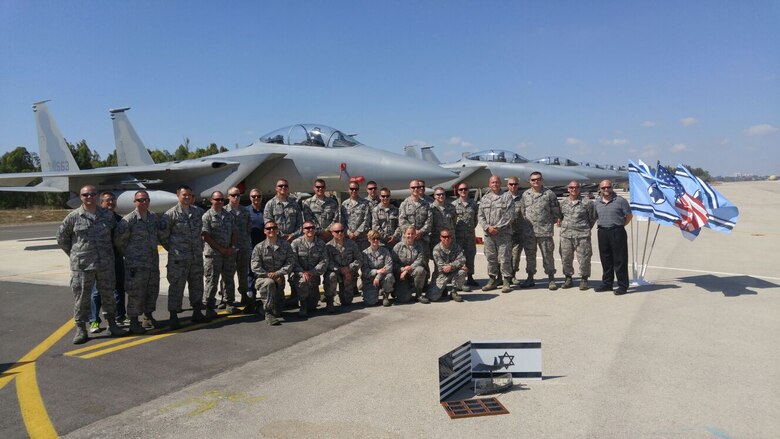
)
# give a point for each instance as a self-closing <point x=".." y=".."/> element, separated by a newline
<point x="614" y="214"/>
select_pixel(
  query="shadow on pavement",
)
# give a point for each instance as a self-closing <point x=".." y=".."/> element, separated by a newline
<point x="730" y="286"/>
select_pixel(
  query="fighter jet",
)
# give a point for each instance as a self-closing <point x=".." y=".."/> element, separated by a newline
<point x="475" y="169"/>
<point x="299" y="153"/>
<point x="593" y="172"/>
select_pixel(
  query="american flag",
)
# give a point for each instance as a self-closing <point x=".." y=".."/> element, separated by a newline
<point x="693" y="214"/>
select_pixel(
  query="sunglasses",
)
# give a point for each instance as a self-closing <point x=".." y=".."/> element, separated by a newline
<point x="308" y="228"/>
<point x="255" y="196"/>
<point x="271" y="228"/>
<point x="218" y="200"/>
<point x="89" y="194"/>
<point x="605" y="187"/>
<point x="384" y="196"/>
<point x="353" y="189"/>
<point x="282" y="185"/>
<point x="445" y="236"/>
<point x="319" y="187"/>
<point x="535" y="179"/>
<point x="234" y="195"/>
<point x="514" y="184"/>
<point x="141" y="200"/>
<point x="463" y="189"/>
<point x="440" y="194"/>
<point x="337" y="231"/>
<point x="416" y="187"/>
<point x="371" y="188"/>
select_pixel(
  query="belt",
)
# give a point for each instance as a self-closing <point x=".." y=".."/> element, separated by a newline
<point x="609" y="228"/>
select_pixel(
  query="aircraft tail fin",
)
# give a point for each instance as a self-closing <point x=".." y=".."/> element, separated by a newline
<point x="54" y="153"/>
<point x="130" y="150"/>
<point x="428" y="155"/>
<point x="411" y="151"/>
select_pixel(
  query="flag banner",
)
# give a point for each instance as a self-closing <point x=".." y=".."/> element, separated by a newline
<point x="693" y="214"/>
<point x="721" y="214"/>
<point x="647" y="199"/>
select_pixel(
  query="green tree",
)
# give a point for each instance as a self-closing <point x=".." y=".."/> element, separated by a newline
<point x="161" y="155"/>
<point x="18" y="160"/>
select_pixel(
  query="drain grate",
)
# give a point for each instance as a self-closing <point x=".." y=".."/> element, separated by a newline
<point x="468" y="408"/>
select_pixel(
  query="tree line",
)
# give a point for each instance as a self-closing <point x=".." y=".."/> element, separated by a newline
<point x="22" y="160"/>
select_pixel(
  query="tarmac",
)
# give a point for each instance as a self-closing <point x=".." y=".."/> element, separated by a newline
<point x="691" y="354"/>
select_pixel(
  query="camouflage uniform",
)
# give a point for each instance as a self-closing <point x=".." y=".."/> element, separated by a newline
<point x="346" y="255"/>
<point x="414" y="281"/>
<point x="373" y="261"/>
<point x="286" y="214"/>
<point x="444" y="215"/>
<point x="269" y="258"/>
<point x="540" y="212"/>
<point x="87" y="239"/>
<point x="182" y="239"/>
<point x="517" y="233"/>
<point x="311" y="256"/>
<point x="221" y="227"/>
<point x="137" y="239"/>
<point x="418" y="215"/>
<point x="323" y="213"/>
<point x="243" y="227"/>
<point x="373" y="202"/>
<point x="579" y="216"/>
<point x="497" y="211"/>
<point x="385" y="221"/>
<point x="356" y="217"/>
<point x="452" y="256"/>
<point x="465" y="225"/>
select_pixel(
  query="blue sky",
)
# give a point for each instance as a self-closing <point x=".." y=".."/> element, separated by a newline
<point x="694" y="82"/>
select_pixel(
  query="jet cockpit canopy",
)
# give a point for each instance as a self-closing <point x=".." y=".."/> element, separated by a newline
<point x="556" y="161"/>
<point x="497" y="155"/>
<point x="310" y="135"/>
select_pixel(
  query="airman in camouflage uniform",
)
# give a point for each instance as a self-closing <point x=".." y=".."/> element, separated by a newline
<point x="312" y="262"/>
<point x="444" y="215"/>
<point x="285" y="212"/>
<point x="356" y="216"/>
<point x="219" y="254"/>
<point x="272" y="260"/>
<point x="372" y="197"/>
<point x="408" y="258"/>
<point x="322" y="210"/>
<point x="377" y="272"/>
<point x="513" y="184"/>
<point x="495" y="213"/>
<point x="416" y="212"/>
<point x="243" y="230"/>
<point x="541" y="211"/>
<point x="138" y="235"/>
<point x="344" y="259"/>
<point x="579" y="217"/>
<point x="384" y="219"/>
<point x="465" y="225"/>
<point x="450" y="262"/>
<point x="182" y="239"/>
<point x="86" y="236"/>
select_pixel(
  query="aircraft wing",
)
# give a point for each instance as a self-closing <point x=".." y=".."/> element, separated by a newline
<point x="475" y="176"/>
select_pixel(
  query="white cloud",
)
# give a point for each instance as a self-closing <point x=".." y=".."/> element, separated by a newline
<point x="760" y="130"/>
<point x="455" y="140"/>
<point x="573" y="141"/>
<point x="688" y="121"/>
<point x="725" y="141"/>
<point x="522" y="145"/>
<point x="649" y="152"/>
<point x="650" y="124"/>
<point x="419" y="143"/>
<point x="679" y="147"/>
<point x="614" y="142"/>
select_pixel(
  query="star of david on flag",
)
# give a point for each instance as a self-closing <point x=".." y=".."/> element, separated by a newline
<point x="647" y="199"/>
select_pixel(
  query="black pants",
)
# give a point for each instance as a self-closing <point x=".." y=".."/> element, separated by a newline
<point x="613" y="250"/>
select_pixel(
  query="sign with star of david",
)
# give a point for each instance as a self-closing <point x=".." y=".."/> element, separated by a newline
<point x="521" y="358"/>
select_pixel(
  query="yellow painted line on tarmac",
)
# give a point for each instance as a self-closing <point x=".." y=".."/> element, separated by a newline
<point x="34" y="414"/>
<point x="122" y="343"/>
<point x="36" y="418"/>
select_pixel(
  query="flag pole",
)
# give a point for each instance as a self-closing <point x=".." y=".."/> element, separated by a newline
<point x="652" y="246"/>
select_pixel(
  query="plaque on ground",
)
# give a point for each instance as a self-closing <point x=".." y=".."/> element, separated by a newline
<point x="468" y="408"/>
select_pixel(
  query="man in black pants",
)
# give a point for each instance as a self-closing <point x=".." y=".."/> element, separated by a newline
<point x="614" y="214"/>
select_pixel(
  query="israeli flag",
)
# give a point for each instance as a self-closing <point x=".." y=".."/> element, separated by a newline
<point x="721" y="214"/>
<point x="647" y="198"/>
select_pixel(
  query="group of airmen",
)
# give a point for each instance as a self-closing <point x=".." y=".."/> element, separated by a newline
<point x="364" y="246"/>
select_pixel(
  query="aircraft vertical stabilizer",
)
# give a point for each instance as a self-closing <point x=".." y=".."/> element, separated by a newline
<point x="130" y="150"/>
<point x="428" y="155"/>
<point x="411" y="151"/>
<point x="54" y="153"/>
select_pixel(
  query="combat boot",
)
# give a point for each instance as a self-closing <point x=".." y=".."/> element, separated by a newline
<point x="113" y="328"/>
<point x="455" y="296"/>
<point x="329" y="308"/>
<point x="491" y="285"/>
<point x="173" y="321"/>
<point x="552" y="286"/>
<point x="528" y="282"/>
<point x="465" y="288"/>
<point x="81" y="336"/>
<point x="568" y="283"/>
<point x="198" y="317"/>
<point x="211" y="314"/>
<point x="271" y="319"/>
<point x="249" y="307"/>
<point x="584" y="284"/>
<point x="507" y="287"/>
<point x="302" y="311"/>
<point x="135" y="326"/>
<point x="422" y="299"/>
<point x="148" y="321"/>
<point x="385" y="297"/>
<point x="471" y="282"/>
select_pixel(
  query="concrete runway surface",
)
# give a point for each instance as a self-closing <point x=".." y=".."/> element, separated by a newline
<point x="694" y="354"/>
